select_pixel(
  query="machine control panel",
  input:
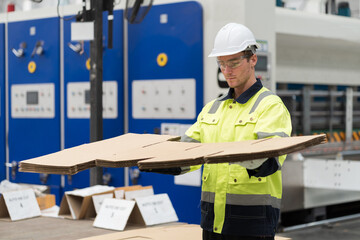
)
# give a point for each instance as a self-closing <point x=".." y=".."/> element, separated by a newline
<point x="163" y="99"/>
<point x="262" y="68"/>
<point x="78" y="99"/>
<point x="33" y="100"/>
<point x="263" y="65"/>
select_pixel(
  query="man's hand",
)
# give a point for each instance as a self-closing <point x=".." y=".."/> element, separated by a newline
<point x="252" y="164"/>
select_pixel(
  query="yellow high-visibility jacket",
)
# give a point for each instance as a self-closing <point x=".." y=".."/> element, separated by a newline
<point x="235" y="200"/>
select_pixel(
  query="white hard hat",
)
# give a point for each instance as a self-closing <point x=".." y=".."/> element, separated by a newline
<point x="233" y="38"/>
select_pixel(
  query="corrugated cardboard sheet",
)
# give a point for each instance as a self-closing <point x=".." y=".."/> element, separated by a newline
<point x="169" y="232"/>
<point x="175" y="232"/>
<point x="150" y="151"/>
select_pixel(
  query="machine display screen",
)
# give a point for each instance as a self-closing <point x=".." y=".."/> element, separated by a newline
<point x="261" y="64"/>
<point x="87" y="96"/>
<point x="32" y="97"/>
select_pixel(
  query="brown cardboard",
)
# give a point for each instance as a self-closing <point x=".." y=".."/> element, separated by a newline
<point x="232" y="151"/>
<point x="173" y="232"/>
<point x="132" y="188"/>
<point x="136" y="217"/>
<point x="18" y="205"/>
<point x="4" y="213"/>
<point x="83" y="207"/>
<point x="264" y="148"/>
<point x="79" y="158"/>
<point x="46" y="201"/>
<point x="166" y="232"/>
<point x="64" y="209"/>
<point x="149" y="151"/>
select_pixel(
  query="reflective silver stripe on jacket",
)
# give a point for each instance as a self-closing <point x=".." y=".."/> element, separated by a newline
<point x="186" y="138"/>
<point x="244" y="200"/>
<point x="208" y="197"/>
<point x="265" y="134"/>
<point x="258" y="100"/>
<point x="252" y="200"/>
<point x="215" y="106"/>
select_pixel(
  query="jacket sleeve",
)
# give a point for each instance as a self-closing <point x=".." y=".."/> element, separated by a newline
<point x="273" y="121"/>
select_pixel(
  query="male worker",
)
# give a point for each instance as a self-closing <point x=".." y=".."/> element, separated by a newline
<point x="240" y="200"/>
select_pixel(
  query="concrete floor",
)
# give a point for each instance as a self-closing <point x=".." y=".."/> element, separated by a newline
<point x="347" y="230"/>
<point x="42" y="228"/>
<point x="45" y="228"/>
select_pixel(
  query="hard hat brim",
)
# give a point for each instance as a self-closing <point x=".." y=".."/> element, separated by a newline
<point x="231" y="51"/>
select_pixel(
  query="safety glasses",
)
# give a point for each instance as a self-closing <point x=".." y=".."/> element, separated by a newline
<point x="233" y="63"/>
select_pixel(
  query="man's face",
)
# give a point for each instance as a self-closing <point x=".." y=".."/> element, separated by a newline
<point x="237" y="69"/>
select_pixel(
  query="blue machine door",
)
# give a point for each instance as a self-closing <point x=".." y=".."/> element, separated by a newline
<point x="77" y="95"/>
<point x="166" y="86"/>
<point x="34" y="95"/>
<point x="2" y="103"/>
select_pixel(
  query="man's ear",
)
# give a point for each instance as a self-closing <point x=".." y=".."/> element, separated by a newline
<point x="253" y="60"/>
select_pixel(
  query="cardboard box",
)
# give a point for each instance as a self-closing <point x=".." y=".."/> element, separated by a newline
<point x="46" y="201"/>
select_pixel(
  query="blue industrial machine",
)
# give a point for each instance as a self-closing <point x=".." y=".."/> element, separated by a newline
<point x="2" y="103"/>
<point x="77" y="92"/>
<point x="165" y="53"/>
<point x="34" y="96"/>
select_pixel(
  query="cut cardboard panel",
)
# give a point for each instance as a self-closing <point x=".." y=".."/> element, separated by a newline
<point x="120" y="191"/>
<point x="233" y="151"/>
<point x="114" y="214"/>
<point x="136" y="217"/>
<point x="156" y="209"/>
<point x="46" y="201"/>
<point x="19" y="204"/>
<point x="173" y="232"/>
<point x="98" y="200"/>
<point x="169" y="232"/>
<point x="142" y="192"/>
<point x="134" y="155"/>
<point x="150" y="151"/>
<point x="76" y="159"/>
<point x="263" y="148"/>
<point x="192" y="155"/>
<point x="79" y="205"/>
<point x="132" y="188"/>
<point x="4" y="213"/>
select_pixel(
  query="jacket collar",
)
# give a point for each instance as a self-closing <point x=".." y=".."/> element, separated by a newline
<point x="245" y="96"/>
